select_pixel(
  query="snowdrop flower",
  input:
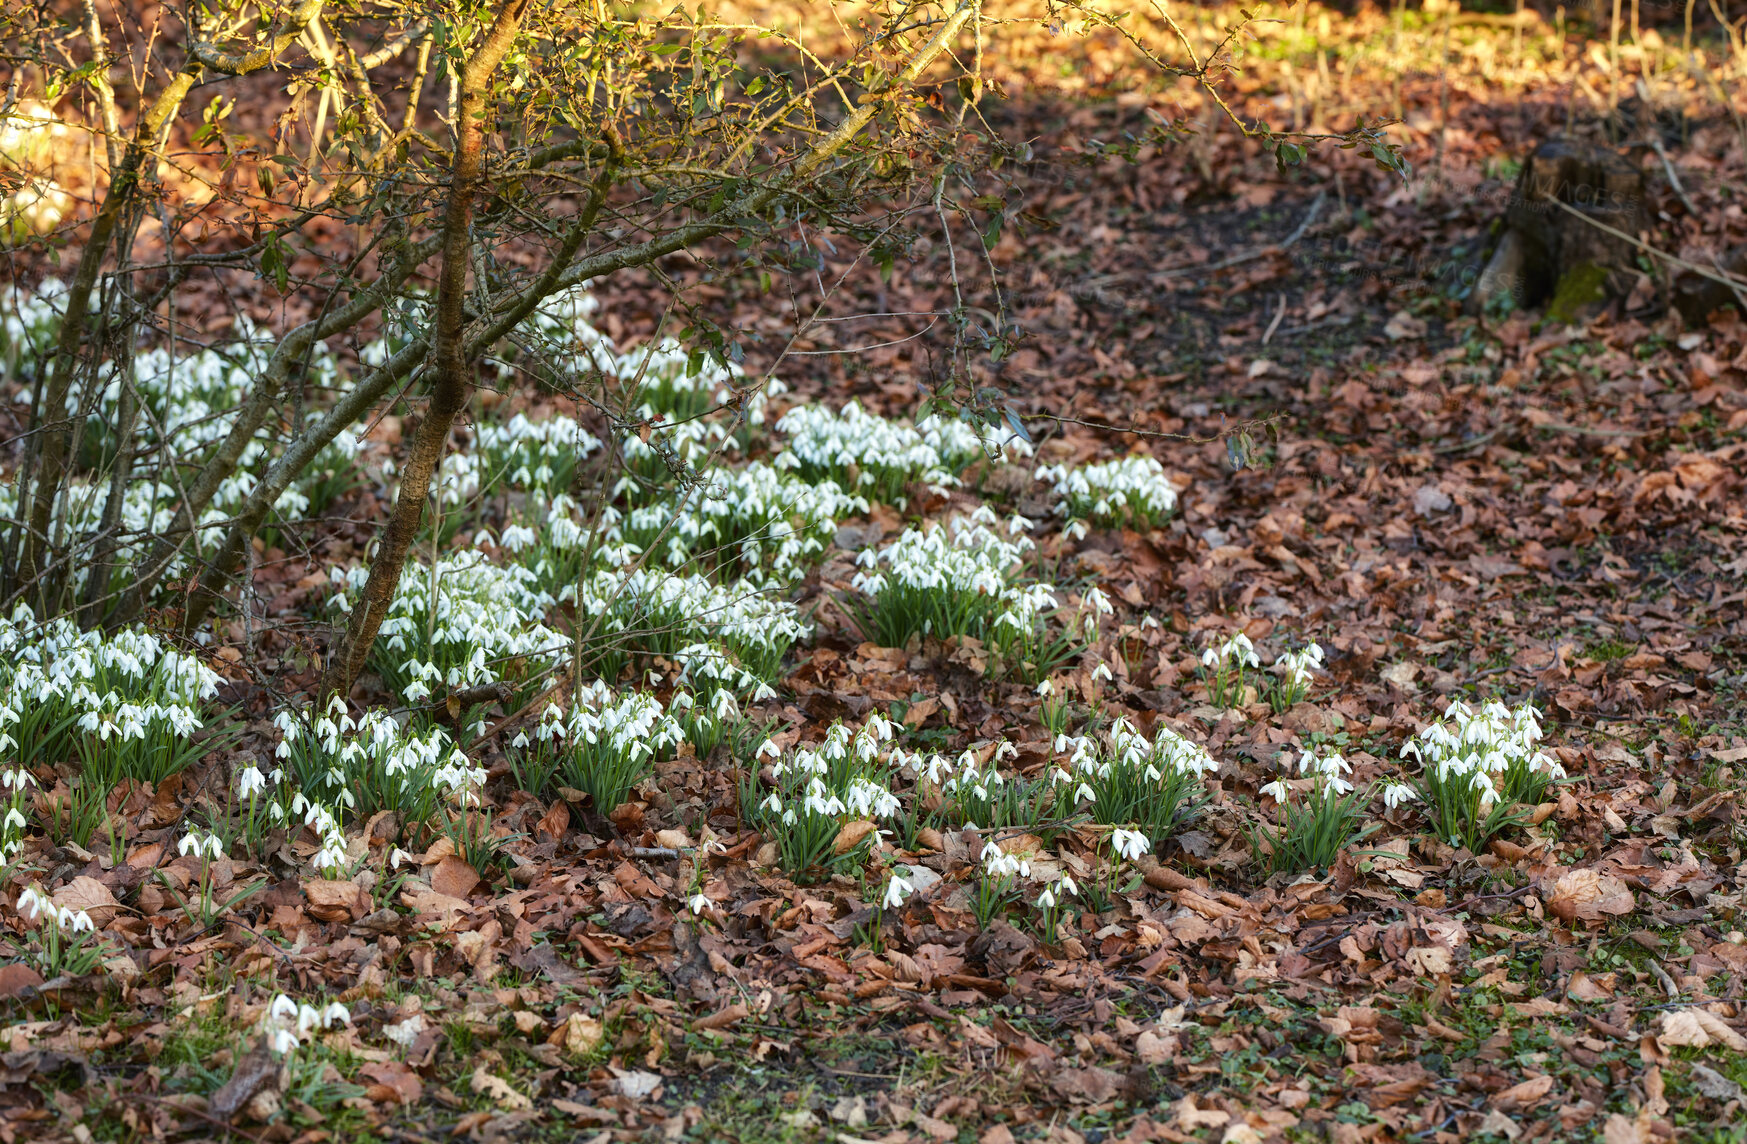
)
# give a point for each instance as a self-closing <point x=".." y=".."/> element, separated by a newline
<point x="397" y="856"/>
<point x="699" y="903"/>
<point x="335" y="1014"/>
<point x="34" y="902"/>
<point x="251" y="782"/>
<point x="1276" y="790"/>
<point x="15" y="819"/>
<point x="769" y="750"/>
<point x="1129" y="844"/>
<point x="192" y="843"/>
<point x="1397" y="793"/>
<point x="1101" y="672"/>
<point x="282" y="1009"/>
<point x="896" y="891"/>
<point x="1067" y="885"/>
<point x="1046" y="688"/>
<point x="282" y="1041"/>
<point x="404" y="1033"/>
<point x="1046" y="900"/>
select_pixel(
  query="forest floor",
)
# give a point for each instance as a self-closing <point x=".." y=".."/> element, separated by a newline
<point x="1454" y="508"/>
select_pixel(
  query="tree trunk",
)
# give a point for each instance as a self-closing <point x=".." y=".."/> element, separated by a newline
<point x="452" y="368"/>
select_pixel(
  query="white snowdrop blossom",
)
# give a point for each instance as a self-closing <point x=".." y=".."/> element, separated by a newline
<point x="1397" y="793"/>
<point x="208" y="847"/>
<point x="287" y="1023"/>
<point x="897" y="889"/>
<point x="32" y="902"/>
<point x="1130" y="845"/>
<point x="1296" y="668"/>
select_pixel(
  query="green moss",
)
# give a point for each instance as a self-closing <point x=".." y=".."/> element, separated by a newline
<point x="1583" y="285"/>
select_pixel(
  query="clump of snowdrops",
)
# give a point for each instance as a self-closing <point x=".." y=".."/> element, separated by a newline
<point x="603" y="746"/>
<point x="64" y="942"/>
<point x="877" y="457"/>
<point x="1129" y="491"/>
<point x="1317" y="815"/>
<point x="457" y="623"/>
<point x="965" y="579"/>
<point x="808" y="797"/>
<point x="1481" y="771"/>
<point x="127" y="706"/>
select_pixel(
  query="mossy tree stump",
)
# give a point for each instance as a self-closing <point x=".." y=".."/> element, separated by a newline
<point x="1549" y="254"/>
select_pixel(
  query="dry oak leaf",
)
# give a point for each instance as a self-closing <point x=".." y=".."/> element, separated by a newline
<point x="636" y="1083"/>
<point x="1429" y="960"/>
<point x="579" y="1034"/>
<point x="1189" y="1117"/>
<point x="16" y="978"/>
<point x="1584" y="895"/>
<point x="1152" y="1049"/>
<point x="1524" y="1095"/>
<point x="1698" y="1028"/>
<point x="331" y="901"/>
<point x="433" y="908"/>
<point x="498" y="1089"/>
<point x="1625" y="1130"/>
<point x="454" y="877"/>
<point x="391" y="1081"/>
<point x="851" y="835"/>
<point x="259" y="1068"/>
<point x="1092" y="1085"/>
<point x="723" y="1018"/>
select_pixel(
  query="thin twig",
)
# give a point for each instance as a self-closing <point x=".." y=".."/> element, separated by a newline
<point x="1673" y="179"/>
